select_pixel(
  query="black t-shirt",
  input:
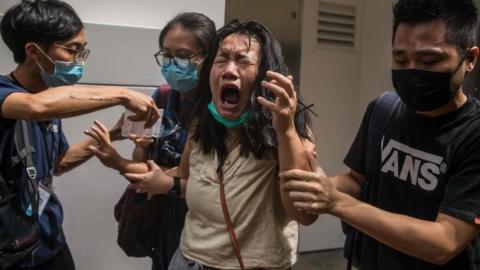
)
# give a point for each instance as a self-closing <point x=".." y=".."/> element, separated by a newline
<point x="425" y="166"/>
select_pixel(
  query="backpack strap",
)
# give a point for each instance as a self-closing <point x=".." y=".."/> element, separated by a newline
<point x="24" y="155"/>
<point x="382" y="110"/>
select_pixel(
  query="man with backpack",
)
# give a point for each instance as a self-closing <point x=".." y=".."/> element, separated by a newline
<point x="47" y="39"/>
<point x="413" y="189"/>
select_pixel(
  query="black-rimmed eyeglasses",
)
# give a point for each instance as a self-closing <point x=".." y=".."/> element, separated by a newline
<point x="164" y="60"/>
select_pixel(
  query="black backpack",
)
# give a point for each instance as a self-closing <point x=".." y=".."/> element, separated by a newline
<point x="382" y="111"/>
<point x="19" y="232"/>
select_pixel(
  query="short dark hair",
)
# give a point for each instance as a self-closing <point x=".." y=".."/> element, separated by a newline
<point x="40" y="21"/>
<point x="257" y="136"/>
<point x="459" y="15"/>
<point x="202" y="28"/>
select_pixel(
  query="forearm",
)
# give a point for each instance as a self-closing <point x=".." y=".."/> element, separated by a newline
<point x="75" y="155"/>
<point x="62" y="102"/>
<point x="426" y="240"/>
<point x="140" y="153"/>
<point x="347" y="183"/>
<point x="130" y="166"/>
<point x="293" y="155"/>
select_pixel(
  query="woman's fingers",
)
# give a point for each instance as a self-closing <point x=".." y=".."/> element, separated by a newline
<point x="93" y="135"/>
<point x="95" y="151"/>
<point x="103" y="132"/>
<point x="277" y="90"/>
<point x="103" y="139"/>
<point x="271" y="106"/>
<point x="101" y="126"/>
<point x="283" y="81"/>
<point x="152" y="165"/>
<point x="140" y="141"/>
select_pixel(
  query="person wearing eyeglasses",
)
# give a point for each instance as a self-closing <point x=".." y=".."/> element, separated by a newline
<point x="48" y="42"/>
<point x="183" y="43"/>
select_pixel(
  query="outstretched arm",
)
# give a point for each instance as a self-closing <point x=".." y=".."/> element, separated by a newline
<point x="104" y="150"/>
<point x="445" y="237"/>
<point x="69" y="101"/>
<point x="79" y="153"/>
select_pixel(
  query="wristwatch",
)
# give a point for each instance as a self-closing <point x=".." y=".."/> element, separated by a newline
<point x="175" y="191"/>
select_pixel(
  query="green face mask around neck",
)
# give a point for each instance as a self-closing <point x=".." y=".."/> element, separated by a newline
<point x="225" y="122"/>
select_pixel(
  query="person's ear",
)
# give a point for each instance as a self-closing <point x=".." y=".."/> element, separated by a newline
<point x="472" y="57"/>
<point x="32" y="51"/>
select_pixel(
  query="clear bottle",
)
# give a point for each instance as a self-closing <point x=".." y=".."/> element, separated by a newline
<point x="137" y="127"/>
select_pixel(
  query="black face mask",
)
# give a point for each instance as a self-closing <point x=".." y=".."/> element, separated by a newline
<point x="423" y="90"/>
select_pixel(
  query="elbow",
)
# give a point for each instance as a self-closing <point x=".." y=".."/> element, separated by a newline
<point x="59" y="171"/>
<point x="36" y="112"/>
<point x="442" y="256"/>
<point x="439" y="259"/>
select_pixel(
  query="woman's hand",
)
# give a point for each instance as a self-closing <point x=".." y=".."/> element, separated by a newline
<point x="285" y="105"/>
<point x="143" y="142"/>
<point x="155" y="181"/>
<point x="104" y="149"/>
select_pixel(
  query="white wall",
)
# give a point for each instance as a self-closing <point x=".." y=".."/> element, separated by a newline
<point x="140" y="13"/>
<point x="331" y="80"/>
<point x="376" y="51"/>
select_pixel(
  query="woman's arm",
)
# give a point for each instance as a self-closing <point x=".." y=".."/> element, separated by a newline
<point x="292" y="154"/>
<point x="157" y="181"/>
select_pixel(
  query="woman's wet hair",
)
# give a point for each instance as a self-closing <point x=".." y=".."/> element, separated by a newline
<point x="257" y="136"/>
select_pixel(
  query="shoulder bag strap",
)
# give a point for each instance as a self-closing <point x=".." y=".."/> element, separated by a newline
<point x="228" y="221"/>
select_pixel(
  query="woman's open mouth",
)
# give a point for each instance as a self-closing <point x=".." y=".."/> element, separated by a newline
<point x="230" y="95"/>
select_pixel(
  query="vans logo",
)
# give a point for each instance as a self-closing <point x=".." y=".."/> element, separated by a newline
<point x="409" y="164"/>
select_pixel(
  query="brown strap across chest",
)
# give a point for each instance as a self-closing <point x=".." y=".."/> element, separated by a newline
<point x="228" y="221"/>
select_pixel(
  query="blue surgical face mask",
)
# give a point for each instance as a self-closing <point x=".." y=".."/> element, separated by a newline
<point x="64" y="73"/>
<point x="224" y="121"/>
<point x="183" y="77"/>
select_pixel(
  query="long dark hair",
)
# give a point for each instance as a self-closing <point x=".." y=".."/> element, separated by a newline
<point x="257" y="136"/>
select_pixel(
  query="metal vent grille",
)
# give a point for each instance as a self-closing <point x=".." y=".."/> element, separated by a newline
<point x="336" y="25"/>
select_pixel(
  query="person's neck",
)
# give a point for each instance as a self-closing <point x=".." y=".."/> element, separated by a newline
<point x="456" y="102"/>
<point x="232" y="139"/>
<point x="28" y="76"/>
